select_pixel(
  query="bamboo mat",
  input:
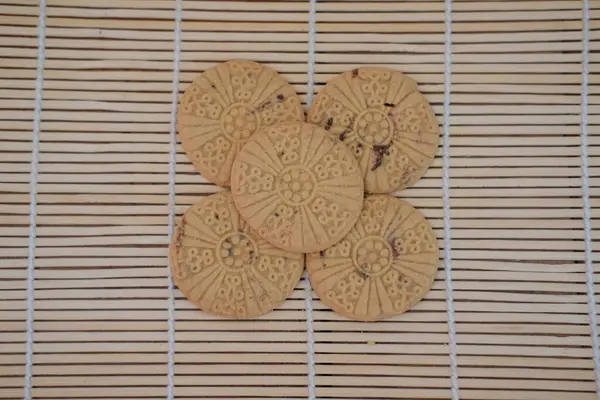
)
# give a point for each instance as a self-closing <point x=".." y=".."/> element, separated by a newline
<point x="509" y="315"/>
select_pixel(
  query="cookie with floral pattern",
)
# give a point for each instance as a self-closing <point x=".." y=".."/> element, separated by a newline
<point x="220" y="264"/>
<point x="384" y="266"/>
<point x="386" y="122"/>
<point x="225" y="106"/>
<point x="297" y="187"/>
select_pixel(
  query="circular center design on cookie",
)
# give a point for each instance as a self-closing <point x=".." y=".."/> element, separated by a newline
<point x="373" y="127"/>
<point x="296" y="185"/>
<point x="239" y="122"/>
<point x="372" y="255"/>
<point x="237" y="251"/>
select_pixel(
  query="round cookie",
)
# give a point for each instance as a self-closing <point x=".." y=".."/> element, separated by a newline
<point x="383" y="267"/>
<point x="387" y="123"/>
<point x="299" y="188"/>
<point x="226" y="105"/>
<point x="223" y="267"/>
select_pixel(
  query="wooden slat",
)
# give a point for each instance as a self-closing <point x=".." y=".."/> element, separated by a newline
<point x="491" y="135"/>
<point x="16" y="137"/>
<point x="101" y="298"/>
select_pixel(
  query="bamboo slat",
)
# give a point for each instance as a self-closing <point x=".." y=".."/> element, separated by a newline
<point x="100" y="306"/>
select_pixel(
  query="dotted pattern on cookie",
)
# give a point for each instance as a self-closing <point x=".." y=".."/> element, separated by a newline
<point x="225" y="106"/>
<point x="300" y="189"/>
<point x="385" y="121"/>
<point x="382" y="267"/>
<point x="223" y="267"/>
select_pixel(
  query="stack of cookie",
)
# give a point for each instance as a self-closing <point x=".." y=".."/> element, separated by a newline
<point x="303" y="193"/>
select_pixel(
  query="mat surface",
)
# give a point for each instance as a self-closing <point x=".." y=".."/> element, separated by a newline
<point x="102" y="321"/>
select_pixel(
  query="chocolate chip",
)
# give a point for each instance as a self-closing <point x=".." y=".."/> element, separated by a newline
<point x="379" y="151"/>
<point x="328" y="123"/>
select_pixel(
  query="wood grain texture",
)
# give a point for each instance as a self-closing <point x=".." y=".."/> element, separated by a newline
<point x="103" y="188"/>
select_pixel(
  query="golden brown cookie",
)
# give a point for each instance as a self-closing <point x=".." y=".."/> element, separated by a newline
<point x="223" y="267"/>
<point x="226" y="105"/>
<point x="299" y="188"/>
<point x="384" y="265"/>
<point x="387" y="123"/>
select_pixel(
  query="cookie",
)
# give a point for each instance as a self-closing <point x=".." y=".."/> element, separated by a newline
<point x="297" y="187"/>
<point x="387" y="123"/>
<point x="224" y="268"/>
<point x="383" y="267"/>
<point x="226" y="105"/>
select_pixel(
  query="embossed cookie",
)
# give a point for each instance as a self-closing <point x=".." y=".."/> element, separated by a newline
<point x="226" y="105"/>
<point x="299" y="188"/>
<point x="387" y="123"/>
<point x="224" y="268"/>
<point x="384" y="265"/>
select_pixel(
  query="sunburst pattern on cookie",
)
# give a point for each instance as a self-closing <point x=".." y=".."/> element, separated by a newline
<point x="300" y="189"/>
<point x="382" y="267"/>
<point x="387" y="123"/>
<point x="226" y="105"/>
<point x="223" y="267"/>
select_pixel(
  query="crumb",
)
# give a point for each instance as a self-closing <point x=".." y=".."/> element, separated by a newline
<point x="371" y="343"/>
<point x="355" y="72"/>
<point x="262" y="106"/>
<point x="361" y="273"/>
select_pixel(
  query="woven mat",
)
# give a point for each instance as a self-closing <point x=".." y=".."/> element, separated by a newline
<point x="86" y="309"/>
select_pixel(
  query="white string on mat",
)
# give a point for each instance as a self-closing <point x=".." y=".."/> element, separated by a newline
<point x="586" y="195"/>
<point x="446" y="200"/>
<point x="312" y="35"/>
<point x="310" y="340"/>
<point x="39" y="92"/>
<point x="172" y="165"/>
